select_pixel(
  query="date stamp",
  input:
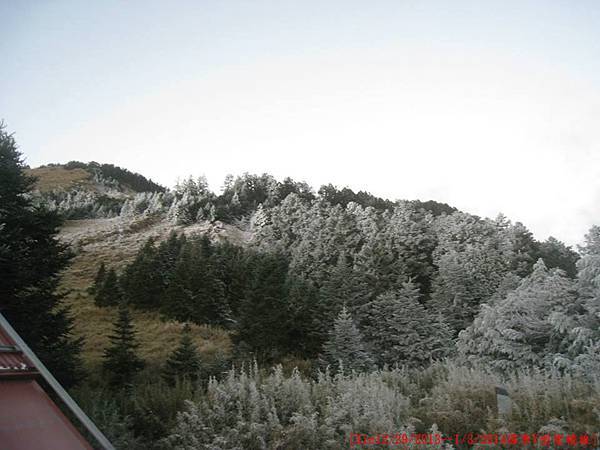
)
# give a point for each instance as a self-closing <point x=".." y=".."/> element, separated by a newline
<point x="505" y="439"/>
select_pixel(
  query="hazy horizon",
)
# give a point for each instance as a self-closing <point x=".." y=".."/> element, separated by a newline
<point x="491" y="108"/>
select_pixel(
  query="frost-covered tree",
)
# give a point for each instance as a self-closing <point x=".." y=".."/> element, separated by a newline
<point x="399" y="330"/>
<point x="530" y="327"/>
<point x="324" y="232"/>
<point x="345" y="286"/>
<point x="146" y="203"/>
<point x="260" y="218"/>
<point x="410" y="240"/>
<point x="524" y="249"/>
<point x="588" y="267"/>
<point x="587" y="334"/>
<point x="191" y="200"/>
<point x="345" y="346"/>
<point x="473" y="258"/>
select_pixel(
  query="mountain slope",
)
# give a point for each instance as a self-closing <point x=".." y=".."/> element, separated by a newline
<point x="93" y="176"/>
<point x="116" y="241"/>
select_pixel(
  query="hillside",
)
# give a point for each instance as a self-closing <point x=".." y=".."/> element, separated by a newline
<point x="93" y="176"/>
<point x="50" y="178"/>
<point x="88" y="190"/>
<point x="274" y="272"/>
<point x="115" y="236"/>
<point x="115" y="242"/>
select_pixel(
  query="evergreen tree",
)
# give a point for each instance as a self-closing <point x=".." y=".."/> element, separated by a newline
<point x="473" y="258"/>
<point x="184" y="362"/>
<point x="345" y="346"/>
<point x="143" y="282"/>
<point x="587" y="335"/>
<point x="31" y="259"/>
<point x="99" y="280"/>
<point x="109" y="293"/>
<point x="168" y="253"/>
<point x="178" y="303"/>
<point x="400" y="330"/>
<point x="556" y="254"/>
<point x="121" y="362"/>
<point x="588" y="267"/>
<point x="525" y="250"/>
<point x="410" y="239"/>
<point x="262" y="320"/>
<point x="530" y="327"/>
<point x="231" y="265"/>
<point x="304" y="337"/>
<point x="344" y="286"/>
<point x="208" y="292"/>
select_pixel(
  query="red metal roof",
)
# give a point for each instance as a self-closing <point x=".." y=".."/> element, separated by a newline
<point x="12" y="362"/>
<point x="29" y="419"/>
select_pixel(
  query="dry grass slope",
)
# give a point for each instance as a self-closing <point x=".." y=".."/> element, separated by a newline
<point x="49" y="178"/>
<point x="115" y="242"/>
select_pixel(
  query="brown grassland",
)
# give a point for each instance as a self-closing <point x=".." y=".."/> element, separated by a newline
<point x="50" y="178"/>
<point x="115" y="242"/>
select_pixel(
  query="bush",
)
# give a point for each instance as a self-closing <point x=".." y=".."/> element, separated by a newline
<point x="550" y="399"/>
<point x="153" y="407"/>
<point x="105" y="411"/>
<point x="463" y="401"/>
<point x="252" y="410"/>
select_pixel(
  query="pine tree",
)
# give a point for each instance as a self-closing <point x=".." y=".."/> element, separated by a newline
<point x="168" y="253"/>
<point x="588" y="267"/>
<point x="587" y="335"/>
<point x="207" y="290"/>
<point x="184" y="362"/>
<point x="262" y="319"/>
<point x="231" y="266"/>
<point x="347" y="286"/>
<point x="121" y="362"/>
<point x="411" y="240"/>
<point x="143" y="282"/>
<point x="401" y="331"/>
<point x="530" y="327"/>
<point x="109" y="293"/>
<point x="179" y="302"/>
<point x="31" y="259"/>
<point x="99" y="280"/>
<point x="525" y="250"/>
<point x="345" y="346"/>
<point x="473" y="258"/>
<point x="556" y="254"/>
<point x="304" y="338"/>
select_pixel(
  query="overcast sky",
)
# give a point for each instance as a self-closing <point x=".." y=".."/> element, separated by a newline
<point x="490" y="106"/>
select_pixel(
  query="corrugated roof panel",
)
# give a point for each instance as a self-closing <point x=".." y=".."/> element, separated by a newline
<point x="29" y="419"/>
<point x="12" y="363"/>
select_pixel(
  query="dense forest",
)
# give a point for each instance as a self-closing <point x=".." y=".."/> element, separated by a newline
<point x="347" y="313"/>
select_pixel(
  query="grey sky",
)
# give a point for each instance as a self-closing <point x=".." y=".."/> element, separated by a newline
<point x="491" y="106"/>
